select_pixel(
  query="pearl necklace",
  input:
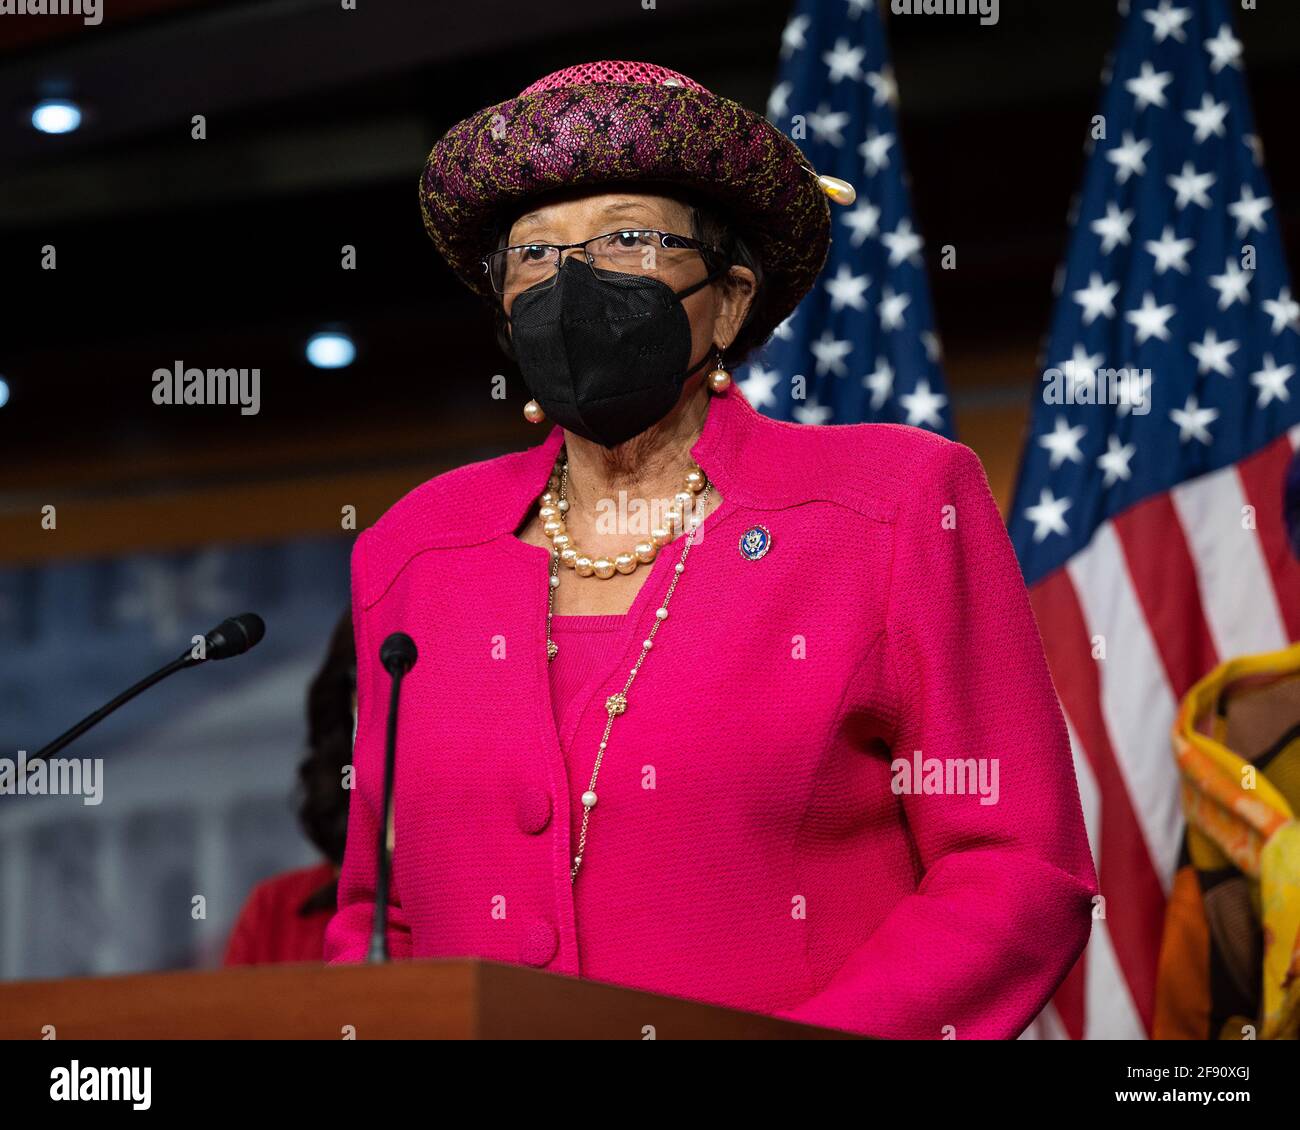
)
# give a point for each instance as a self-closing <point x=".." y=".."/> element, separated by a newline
<point x="616" y="703"/>
<point x="555" y="507"/>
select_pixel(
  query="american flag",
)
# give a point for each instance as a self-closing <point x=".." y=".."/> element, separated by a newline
<point x="861" y="346"/>
<point x="1150" y="530"/>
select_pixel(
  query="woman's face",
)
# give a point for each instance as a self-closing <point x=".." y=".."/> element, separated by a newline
<point x="715" y="312"/>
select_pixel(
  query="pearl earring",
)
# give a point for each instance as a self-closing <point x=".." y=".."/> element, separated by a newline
<point x="719" y="378"/>
<point x="533" y="412"/>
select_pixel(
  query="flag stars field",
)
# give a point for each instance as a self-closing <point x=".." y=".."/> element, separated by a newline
<point x="1207" y="121"/>
<point x="1113" y="228"/>
<point x="847" y="289"/>
<point x="1271" y="381"/>
<point x="1249" y="211"/>
<point x="1167" y="21"/>
<point x="1082" y="365"/>
<point x="875" y="151"/>
<point x="1139" y="390"/>
<point x="923" y="406"/>
<point x="863" y="222"/>
<point x="1063" y="442"/>
<point x="827" y="125"/>
<point x="1284" y="310"/>
<point x="1224" y="49"/>
<point x="880" y="382"/>
<point x="1212" y="354"/>
<point x="830" y="353"/>
<point x="794" y="37"/>
<point x="1193" y="421"/>
<point x="1150" y="319"/>
<point x="883" y="87"/>
<point x="1114" y="461"/>
<point x="759" y="387"/>
<point x="903" y="243"/>
<point x="1191" y="187"/>
<point x="1170" y="253"/>
<point x="810" y="412"/>
<point x="870" y="320"/>
<point x="1048" y="515"/>
<point x="1233" y="285"/>
<point x="778" y="102"/>
<point x="1128" y="157"/>
<point x="844" y="61"/>
<point x="1097" y="298"/>
<point x="892" y="307"/>
<point x="1148" y="87"/>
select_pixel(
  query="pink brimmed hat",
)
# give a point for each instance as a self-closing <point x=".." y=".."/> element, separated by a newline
<point x="616" y="122"/>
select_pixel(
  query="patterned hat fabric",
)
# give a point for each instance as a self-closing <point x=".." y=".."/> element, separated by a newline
<point x="610" y="123"/>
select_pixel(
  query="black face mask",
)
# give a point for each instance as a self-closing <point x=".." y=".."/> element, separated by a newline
<point x="604" y="353"/>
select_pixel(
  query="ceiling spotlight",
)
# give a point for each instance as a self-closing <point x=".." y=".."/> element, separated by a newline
<point x="331" y="350"/>
<point x="4" y="392"/>
<point x="56" y="115"/>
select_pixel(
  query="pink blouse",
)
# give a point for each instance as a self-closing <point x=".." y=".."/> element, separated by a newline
<point x="588" y="648"/>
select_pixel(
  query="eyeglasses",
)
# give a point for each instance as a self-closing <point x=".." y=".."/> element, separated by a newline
<point x="634" y="252"/>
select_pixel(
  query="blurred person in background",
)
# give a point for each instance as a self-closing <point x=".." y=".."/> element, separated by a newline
<point x="285" y="917"/>
<point x="1230" y="957"/>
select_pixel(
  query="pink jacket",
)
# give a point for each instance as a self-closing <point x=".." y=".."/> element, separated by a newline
<point x="752" y="846"/>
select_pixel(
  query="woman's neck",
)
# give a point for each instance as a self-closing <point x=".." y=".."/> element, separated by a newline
<point x="649" y="470"/>
<point x="649" y="466"/>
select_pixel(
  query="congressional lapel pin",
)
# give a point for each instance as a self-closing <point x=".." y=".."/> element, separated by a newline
<point x="755" y="542"/>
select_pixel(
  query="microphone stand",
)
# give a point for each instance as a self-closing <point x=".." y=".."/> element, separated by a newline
<point x="229" y="638"/>
<point x="398" y="656"/>
<point x="186" y="660"/>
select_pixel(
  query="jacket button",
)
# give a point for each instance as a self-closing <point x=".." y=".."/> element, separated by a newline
<point x="539" y="943"/>
<point x="534" y="809"/>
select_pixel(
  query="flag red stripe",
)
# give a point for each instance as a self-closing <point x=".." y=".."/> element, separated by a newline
<point x="1163" y="573"/>
<point x="1069" y="998"/>
<point x="1135" y="900"/>
<point x="1262" y="477"/>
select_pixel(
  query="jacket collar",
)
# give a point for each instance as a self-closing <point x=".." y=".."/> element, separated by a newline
<point x="747" y="455"/>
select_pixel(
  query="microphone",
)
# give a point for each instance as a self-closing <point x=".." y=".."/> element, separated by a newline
<point x="231" y="637"/>
<point x="398" y="655"/>
<point x="234" y="636"/>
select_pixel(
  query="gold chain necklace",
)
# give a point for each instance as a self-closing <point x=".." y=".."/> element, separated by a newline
<point x="616" y="703"/>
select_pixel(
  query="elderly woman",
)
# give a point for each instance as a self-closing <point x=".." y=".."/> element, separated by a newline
<point x="707" y="705"/>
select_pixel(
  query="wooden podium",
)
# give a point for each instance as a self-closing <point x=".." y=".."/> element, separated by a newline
<point x="406" y="1000"/>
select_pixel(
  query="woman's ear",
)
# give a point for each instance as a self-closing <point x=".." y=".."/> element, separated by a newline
<point x="737" y="297"/>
